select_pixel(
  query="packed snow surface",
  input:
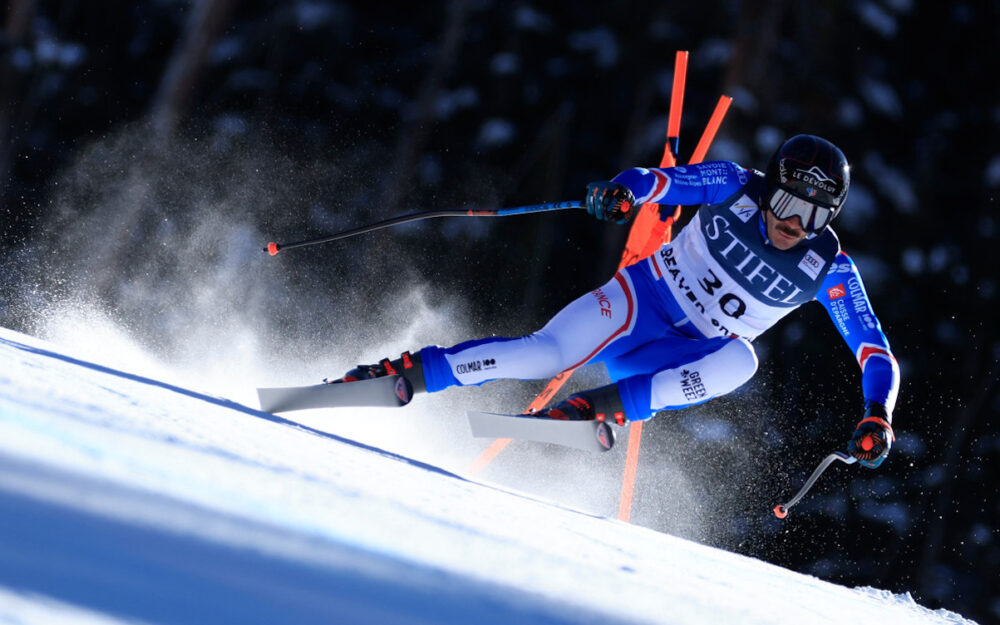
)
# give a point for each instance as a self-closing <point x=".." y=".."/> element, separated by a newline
<point x="128" y="499"/>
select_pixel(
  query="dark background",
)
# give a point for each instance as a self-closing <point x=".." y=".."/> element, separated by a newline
<point x="144" y="142"/>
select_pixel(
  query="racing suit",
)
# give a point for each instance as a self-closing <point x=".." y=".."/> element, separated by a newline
<point x="675" y="329"/>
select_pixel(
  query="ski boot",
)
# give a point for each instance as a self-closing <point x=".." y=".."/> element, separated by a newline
<point x="407" y="365"/>
<point x="601" y="404"/>
<point x="573" y="408"/>
<point x="596" y="405"/>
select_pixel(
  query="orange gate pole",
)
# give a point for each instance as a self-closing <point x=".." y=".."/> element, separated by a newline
<point x="647" y="234"/>
<point x="635" y="428"/>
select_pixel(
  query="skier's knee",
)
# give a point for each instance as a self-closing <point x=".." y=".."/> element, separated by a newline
<point x="742" y="359"/>
<point x="712" y="375"/>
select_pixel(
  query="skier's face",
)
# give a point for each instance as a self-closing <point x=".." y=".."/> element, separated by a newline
<point x="784" y="234"/>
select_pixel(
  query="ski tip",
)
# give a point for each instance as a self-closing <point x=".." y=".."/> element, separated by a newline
<point x="780" y="511"/>
<point x="272" y="248"/>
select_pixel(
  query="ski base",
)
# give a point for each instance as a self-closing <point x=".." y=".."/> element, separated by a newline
<point x="585" y="435"/>
<point x="390" y="391"/>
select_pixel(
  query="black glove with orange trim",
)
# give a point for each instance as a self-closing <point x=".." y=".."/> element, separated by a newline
<point x="873" y="437"/>
<point x="611" y="201"/>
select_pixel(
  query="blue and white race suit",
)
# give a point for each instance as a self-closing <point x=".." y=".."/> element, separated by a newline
<point x="675" y="329"/>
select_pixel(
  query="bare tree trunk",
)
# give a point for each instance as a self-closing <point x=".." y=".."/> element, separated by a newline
<point x="187" y="63"/>
<point x="615" y="237"/>
<point x="545" y="232"/>
<point x="934" y="537"/>
<point x="18" y="17"/>
<point x="414" y="133"/>
<point x="15" y="30"/>
<point x="412" y="137"/>
<point x="530" y="157"/>
<point x="752" y="65"/>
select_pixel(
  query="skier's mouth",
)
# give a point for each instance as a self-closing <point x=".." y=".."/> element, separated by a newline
<point x="787" y="232"/>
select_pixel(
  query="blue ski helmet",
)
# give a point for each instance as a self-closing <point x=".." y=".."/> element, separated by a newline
<point x="807" y="177"/>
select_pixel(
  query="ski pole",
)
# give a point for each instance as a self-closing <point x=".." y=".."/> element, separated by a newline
<point x="273" y="248"/>
<point x="781" y="510"/>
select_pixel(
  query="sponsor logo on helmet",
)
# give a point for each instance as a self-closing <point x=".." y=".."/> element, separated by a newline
<point x="813" y="176"/>
<point x="818" y="173"/>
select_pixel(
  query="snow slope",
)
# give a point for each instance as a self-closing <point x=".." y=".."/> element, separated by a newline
<point x="127" y="499"/>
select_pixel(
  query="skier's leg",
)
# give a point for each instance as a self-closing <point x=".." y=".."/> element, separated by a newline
<point x="720" y="367"/>
<point x="588" y="326"/>
<point x="688" y="371"/>
<point x="606" y="316"/>
<point x="605" y="323"/>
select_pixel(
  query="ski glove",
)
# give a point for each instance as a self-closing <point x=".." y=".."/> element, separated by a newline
<point x="610" y="201"/>
<point x="872" y="438"/>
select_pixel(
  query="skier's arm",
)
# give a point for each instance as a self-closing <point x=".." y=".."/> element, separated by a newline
<point x="844" y="297"/>
<point x="704" y="183"/>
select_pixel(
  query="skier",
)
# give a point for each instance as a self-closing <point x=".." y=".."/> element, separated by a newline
<point x="675" y="328"/>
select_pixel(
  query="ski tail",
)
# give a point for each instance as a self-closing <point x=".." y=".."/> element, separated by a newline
<point x="586" y="435"/>
<point x="389" y="391"/>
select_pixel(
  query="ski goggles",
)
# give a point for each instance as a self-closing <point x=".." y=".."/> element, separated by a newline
<point x="814" y="217"/>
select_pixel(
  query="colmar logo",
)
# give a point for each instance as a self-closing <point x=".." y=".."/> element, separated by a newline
<point x="836" y="292"/>
<point x="476" y="365"/>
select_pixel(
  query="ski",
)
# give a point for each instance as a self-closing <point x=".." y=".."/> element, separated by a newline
<point x="389" y="391"/>
<point x="585" y="435"/>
